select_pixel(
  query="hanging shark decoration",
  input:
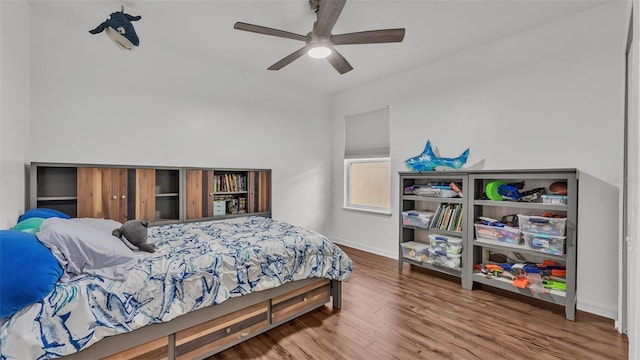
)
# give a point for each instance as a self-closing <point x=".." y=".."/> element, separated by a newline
<point x="120" y="29"/>
<point x="428" y="161"/>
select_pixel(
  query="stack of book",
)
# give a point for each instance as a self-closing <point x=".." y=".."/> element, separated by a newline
<point x="448" y="217"/>
<point x="230" y="183"/>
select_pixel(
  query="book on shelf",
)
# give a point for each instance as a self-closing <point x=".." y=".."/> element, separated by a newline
<point x="230" y="183"/>
<point x="242" y="205"/>
<point x="448" y="217"/>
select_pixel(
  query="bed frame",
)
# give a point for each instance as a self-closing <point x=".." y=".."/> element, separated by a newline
<point x="207" y="331"/>
<point x="204" y="332"/>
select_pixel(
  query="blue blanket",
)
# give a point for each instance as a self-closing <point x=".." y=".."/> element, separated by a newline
<point x="195" y="265"/>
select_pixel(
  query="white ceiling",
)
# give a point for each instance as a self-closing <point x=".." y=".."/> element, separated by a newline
<point x="434" y="29"/>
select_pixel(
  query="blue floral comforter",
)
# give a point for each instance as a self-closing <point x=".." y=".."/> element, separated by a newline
<point x="195" y="265"/>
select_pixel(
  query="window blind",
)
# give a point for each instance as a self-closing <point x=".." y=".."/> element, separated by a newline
<point x="367" y="134"/>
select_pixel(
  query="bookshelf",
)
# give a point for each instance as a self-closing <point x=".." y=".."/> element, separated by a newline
<point x="526" y="250"/>
<point x="459" y="215"/>
<point x="157" y="194"/>
<point x="446" y="220"/>
<point x="222" y="193"/>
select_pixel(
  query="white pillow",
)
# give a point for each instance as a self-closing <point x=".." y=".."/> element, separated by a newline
<point x="82" y="249"/>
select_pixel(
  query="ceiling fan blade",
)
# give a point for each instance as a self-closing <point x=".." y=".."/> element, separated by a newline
<point x="288" y="59"/>
<point x="339" y="62"/>
<point x="328" y="13"/>
<point x="369" y="37"/>
<point x="268" y="31"/>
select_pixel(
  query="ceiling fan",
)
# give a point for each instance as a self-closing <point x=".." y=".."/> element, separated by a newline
<point x="320" y="42"/>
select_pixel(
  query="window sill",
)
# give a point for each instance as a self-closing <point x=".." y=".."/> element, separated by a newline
<point x="368" y="211"/>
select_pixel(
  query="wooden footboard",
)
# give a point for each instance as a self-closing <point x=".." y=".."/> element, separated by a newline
<point x="207" y="331"/>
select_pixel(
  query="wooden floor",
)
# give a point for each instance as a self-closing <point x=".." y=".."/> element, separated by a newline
<point x="417" y="314"/>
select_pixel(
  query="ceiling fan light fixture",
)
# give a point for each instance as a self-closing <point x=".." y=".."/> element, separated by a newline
<point x="319" y="52"/>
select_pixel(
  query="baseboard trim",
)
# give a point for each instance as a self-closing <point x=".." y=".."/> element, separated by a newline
<point x="376" y="251"/>
<point x="597" y="309"/>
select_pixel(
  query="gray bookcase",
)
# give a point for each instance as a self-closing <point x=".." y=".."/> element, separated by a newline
<point x="478" y="206"/>
<point x="477" y="251"/>
<point x="418" y="234"/>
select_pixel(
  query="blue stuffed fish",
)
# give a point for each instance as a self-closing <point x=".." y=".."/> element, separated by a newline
<point x="428" y="161"/>
<point x="120" y="29"/>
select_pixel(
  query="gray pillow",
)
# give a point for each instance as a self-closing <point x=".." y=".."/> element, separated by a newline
<point x="104" y="225"/>
<point x="82" y="249"/>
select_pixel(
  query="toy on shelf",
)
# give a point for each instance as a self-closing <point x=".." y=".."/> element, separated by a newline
<point x="535" y="283"/>
<point x="455" y="187"/>
<point x="436" y="189"/>
<point x="558" y="188"/>
<point x="498" y="190"/>
<point x="554" y="285"/>
<point x="521" y="282"/>
<point x="428" y="161"/>
<point x="539" y="278"/>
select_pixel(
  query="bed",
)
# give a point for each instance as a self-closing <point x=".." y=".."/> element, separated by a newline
<point x="208" y="286"/>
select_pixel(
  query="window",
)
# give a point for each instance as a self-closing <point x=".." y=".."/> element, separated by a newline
<point x="368" y="184"/>
<point x="367" y="165"/>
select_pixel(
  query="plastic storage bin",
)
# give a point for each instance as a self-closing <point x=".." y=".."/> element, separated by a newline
<point x="448" y="244"/>
<point x="219" y="207"/>
<point x="542" y="225"/>
<point x="417" y="218"/>
<point x="545" y="243"/>
<point x="434" y="192"/>
<point x="506" y="234"/>
<point x="415" y="251"/>
<point x="444" y="259"/>
<point x="554" y="199"/>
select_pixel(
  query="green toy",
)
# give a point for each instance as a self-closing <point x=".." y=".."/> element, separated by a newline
<point x="555" y="285"/>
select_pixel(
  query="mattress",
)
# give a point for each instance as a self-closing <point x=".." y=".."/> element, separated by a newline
<point x="195" y="265"/>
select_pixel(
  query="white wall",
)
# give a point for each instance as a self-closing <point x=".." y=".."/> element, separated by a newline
<point x="14" y="108"/>
<point x="550" y="97"/>
<point x="158" y="105"/>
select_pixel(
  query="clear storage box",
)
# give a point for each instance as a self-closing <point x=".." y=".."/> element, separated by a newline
<point x="415" y="251"/>
<point x="417" y="218"/>
<point x="434" y="192"/>
<point x="506" y="234"/>
<point x="545" y="243"/>
<point x="543" y="225"/>
<point x="448" y="244"/>
<point x="554" y="199"/>
<point x="444" y="259"/>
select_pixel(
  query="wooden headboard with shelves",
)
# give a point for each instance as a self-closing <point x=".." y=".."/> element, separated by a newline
<point x="156" y="194"/>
